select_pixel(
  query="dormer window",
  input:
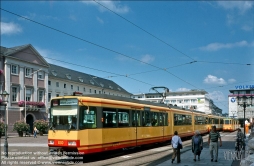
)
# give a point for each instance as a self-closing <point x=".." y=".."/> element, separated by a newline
<point x="102" y="85"/>
<point x="119" y="88"/>
<point x="68" y="76"/>
<point x="91" y="82"/>
<point x="80" y="79"/>
<point x="110" y="87"/>
<point x="54" y="72"/>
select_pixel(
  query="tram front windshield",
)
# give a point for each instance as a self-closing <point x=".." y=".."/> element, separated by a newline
<point x="63" y="115"/>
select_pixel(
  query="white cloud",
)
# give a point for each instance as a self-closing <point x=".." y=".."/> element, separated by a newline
<point x="241" y="6"/>
<point x="216" y="96"/>
<point x="231" y="80"/>
<point x="218" y="46"/>
<point x="247" y="28"/>
<point x="112" y="5"/>
<point x="182" y="89"/>
<point x="10" y="28"/>
<point x="147" y="58"/>
<point x="72" y="17"/>
<point x="100" y="20"/>
<point x="210" y="79"/>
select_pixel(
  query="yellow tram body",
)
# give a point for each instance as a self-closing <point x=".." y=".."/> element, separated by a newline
<point x="105" y="122"/>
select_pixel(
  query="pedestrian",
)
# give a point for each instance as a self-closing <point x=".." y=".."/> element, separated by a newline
<point x="239" y="140"/>
<point x="176" y="148"/>
<point x="35" y="132"/>
<point x="197" y="145"/>
<point x="213" y="145"/>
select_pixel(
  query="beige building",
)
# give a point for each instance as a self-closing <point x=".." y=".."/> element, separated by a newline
<point x="27" y="76"/>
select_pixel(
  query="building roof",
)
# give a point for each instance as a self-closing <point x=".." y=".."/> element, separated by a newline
<point x="79" y="77"/>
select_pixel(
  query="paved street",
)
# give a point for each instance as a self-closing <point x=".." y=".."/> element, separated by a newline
<point x="34" y="151"/>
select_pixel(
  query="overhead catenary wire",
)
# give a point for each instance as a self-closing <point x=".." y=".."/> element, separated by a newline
<point x="116" y="51"/>
<point x="149" y="33"/>
<point x="97" y="45"/>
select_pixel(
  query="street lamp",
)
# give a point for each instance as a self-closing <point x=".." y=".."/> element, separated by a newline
<point x="25" y="92"/>
<point x="5" y="97"/>
<point x="244" y="102"/>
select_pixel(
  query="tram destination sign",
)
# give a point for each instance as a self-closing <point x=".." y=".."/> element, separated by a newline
<point x="68" y="102"/>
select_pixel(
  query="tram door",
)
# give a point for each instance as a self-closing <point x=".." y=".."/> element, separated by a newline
<point x="136" y="122"/>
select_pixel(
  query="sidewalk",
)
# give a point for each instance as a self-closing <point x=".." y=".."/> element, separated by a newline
<point x="205" y="159"/>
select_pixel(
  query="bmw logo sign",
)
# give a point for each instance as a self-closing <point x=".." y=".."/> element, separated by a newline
<point x="232" y="100"/>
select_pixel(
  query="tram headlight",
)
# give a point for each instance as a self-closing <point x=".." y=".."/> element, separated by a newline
<point x="72" y="143"/>
<point x="51" y="142"/>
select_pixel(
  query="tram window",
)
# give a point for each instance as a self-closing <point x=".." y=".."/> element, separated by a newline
<point x="123" y="118"/>
<point x="109" y="117"/>
<point x="154" y="118"/>
<point x="160" y="119"/>
<point x="135" y="118"/>
<point x="199" y="120"/>
<point x="182" y="119"/>
<point x="221" y="121"/>
<point x="166" y="119"/>
<point x="226" y="121"/>
<point x="87" y="117"/>
<point x="216" y="121"/>
<point x="147" y="118"/>
<point x="210" y="121"/>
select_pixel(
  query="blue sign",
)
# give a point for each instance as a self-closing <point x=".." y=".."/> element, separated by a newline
<point x="244" y="87"/>
<point x="232" y="100"/>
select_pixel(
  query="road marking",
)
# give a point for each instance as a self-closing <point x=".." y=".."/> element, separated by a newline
<point x="126" y="157"/>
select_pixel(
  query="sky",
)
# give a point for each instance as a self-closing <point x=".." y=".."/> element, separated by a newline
<point x="142" y="44"/>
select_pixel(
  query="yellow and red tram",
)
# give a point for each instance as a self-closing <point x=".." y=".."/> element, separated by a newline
<point x="98" y="123"/>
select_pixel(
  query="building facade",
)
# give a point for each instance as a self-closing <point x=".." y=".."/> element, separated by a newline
<point x="27" y="76"/>
<point x="235" y="102"/>
<point x="194" y="100"/>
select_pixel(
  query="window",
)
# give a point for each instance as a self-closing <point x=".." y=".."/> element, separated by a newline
<point x="68" y="76"/>
<point x="186" y="101"/>
<point x="84" y="89"/>
<point x="90" y="90"/>
<point x="94" y="91"/>
<point x="28" y="72"/>
<point x="109" y="117"/>
<point x="28" y="94"/>
<point x="49" y="97"/>
<point x="54" y="72"/>
<point x="87" y="117"/>
<point x="91" y="82"/>
<point x="49" y="82"/>
<point x="57" y="95"/>
<point x="14" y="93"/>
<point x="40" y="95"/>
<point x="146" y="118"/>
<point x="182" y="119"/>
<point x="64" y="85"/>
<point x="123" y="118"/>
<point x="193" y="100"/>
<point x="71" y="86"/>
<point x="40" y="75"/>
<point x="155" y="118"/>
<point x="200" y="120"/>
<point x="179" y="101"/>
<point x="14" y="69"/>
<point x="57" y="84"/>
<point x="136" y="118"/>
<point x="80" y="79"/>
<point x="173" y="101"/>
<point x="78" y="88"/>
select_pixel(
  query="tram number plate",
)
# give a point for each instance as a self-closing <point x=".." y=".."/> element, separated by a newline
<point x="60" y="142"/>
